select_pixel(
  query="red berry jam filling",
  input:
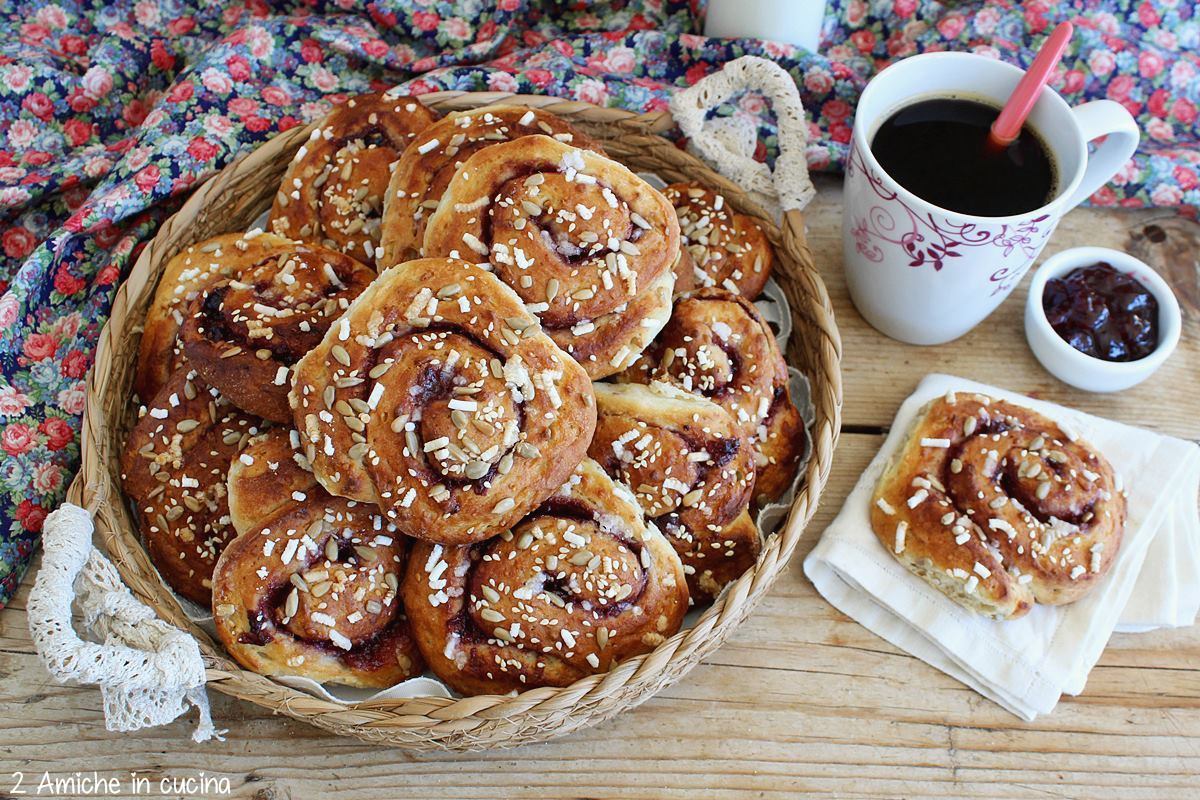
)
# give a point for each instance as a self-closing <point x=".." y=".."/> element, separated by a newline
<point x="1103" y="312"/>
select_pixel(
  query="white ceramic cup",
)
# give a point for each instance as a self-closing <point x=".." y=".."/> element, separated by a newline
<point x="924" y="274"/>
<point x="796" y="22"/>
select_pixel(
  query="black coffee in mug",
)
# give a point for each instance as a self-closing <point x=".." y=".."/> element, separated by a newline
<point x="938" y="150"/>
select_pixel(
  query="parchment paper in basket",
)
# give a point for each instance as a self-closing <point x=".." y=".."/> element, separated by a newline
<point x="421" y="686"/>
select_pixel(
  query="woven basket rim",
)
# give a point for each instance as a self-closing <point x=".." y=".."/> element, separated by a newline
<point x="485" y="720"/>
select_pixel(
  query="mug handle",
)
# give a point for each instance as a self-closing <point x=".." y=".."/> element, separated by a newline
<point x="1104" y="118"/>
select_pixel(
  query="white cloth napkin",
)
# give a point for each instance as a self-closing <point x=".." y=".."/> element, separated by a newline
<point x="1025" y="665"/>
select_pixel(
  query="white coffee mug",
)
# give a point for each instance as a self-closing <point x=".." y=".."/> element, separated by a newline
<point x="924" y="274"/>
<point x="796" y="22"/>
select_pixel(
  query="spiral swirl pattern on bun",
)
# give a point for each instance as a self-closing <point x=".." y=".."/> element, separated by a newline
<point x="998" y="507"/>
<point x="185" y="277"/>
<point x="245" y="330"/>
<point x="574" y="587"/>
<point x="174" y="469"/>
<point x="585" y="243"/>
<point x="692" y="471"/>
<point x="718" y="346"/>
<point x="428" y="164"/>
<point x="438" y="397"/>
<point x="333" y="192"/>
<point x="311" y="587"/>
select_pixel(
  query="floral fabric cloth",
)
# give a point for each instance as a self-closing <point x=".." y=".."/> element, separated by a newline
<point x="111" y="112"/>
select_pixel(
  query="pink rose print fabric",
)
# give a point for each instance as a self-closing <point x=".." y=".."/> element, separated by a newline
<point x="110" y="113"/>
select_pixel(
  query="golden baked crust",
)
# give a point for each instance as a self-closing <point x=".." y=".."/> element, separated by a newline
<point x="264" y="475"/>
<point x="312" y="588"/>
<point x="333" y="192"/>
<point x="428" y="164"/>
<point x="588" y="245"/>
<point x="186" y="275"/>
<point x="691" y="470"/>
<point x="685" y="271"/>
<point x="437" y="396"/>
<point x="174" y="469"/>
<point x="724" y="248"/>
<point x="243" y="331"/>
<point x="998" y="507"/>
<point x="718" y="346"/>
<point x="575" y="587"/>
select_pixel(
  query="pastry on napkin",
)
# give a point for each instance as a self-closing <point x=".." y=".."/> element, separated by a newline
<point x="1026" y="664"/>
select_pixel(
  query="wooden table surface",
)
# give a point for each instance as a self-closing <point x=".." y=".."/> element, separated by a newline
<point x="801" y="699"/>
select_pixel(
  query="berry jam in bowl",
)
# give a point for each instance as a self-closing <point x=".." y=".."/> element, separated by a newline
<point x="1099" y="319"/>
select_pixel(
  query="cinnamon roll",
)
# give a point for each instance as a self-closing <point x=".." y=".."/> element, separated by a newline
<point x="311" y="590"/>
<point x="428" y="164"/>
<point x="718" y="346"/>
<point x="691" y="470"/>
<point x="438" y="397"/>
<point x="588" y="245"/>
<point x="998" y="507"/>
<point x="245" y="330"/>
<point x="724" y="248"/>
<point x="333" y="192"/>
<point x="576" y="586"/>
<point x="174" y="469"/>
<point x="160" y="352"/>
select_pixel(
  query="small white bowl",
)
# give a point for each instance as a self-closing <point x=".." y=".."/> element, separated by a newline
<point x="1079" y="369"/>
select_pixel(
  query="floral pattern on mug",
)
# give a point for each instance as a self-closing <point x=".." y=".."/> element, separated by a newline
<point x="931" y="241"/>
<point x="111" y="113"/>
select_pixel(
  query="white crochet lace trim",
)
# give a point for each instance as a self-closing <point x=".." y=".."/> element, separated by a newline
<point x="727" y="143"/>
<point x="148" y="671"/>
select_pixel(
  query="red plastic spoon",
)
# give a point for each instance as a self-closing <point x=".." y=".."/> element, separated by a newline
<point x="1007" y="126"/>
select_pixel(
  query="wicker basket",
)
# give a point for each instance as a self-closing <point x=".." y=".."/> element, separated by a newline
<point x="234" y="198"/>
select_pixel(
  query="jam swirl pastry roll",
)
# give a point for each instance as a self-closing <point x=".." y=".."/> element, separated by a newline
<point x="576" y="586"/>
<point x="998" y="507"/>
<point x="186" y="275"/>
<point x="311" y="587"/>
<point x="722" y="247"/>
<point x="333" y="192"/>
<point x="174" y="469"/>
<point x="438" y="396"/>
<point x="245" y="330"/>
<point x="691" y="470"/>
<point x="588" y="245"/>
<point x="428" y="164"/>
<point x="718" y="346"/>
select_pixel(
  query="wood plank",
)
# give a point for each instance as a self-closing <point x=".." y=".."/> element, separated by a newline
<point x="801" y="701"/>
